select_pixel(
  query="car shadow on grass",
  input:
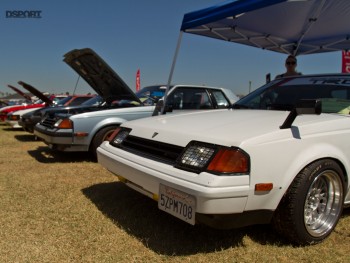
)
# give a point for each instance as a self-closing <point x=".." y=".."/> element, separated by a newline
<point x="10" y="129"/>
<point x="163" y="233"/>
<point x="26" y="138"/>
<point x="44" y="154"/>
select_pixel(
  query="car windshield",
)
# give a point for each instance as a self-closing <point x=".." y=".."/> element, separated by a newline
<point x="334" y="93"/>
<point x="95" y="101"/>
<point x="151" y="94"/>
<point x="56" y="100"/>
<point x="39" y="101"/>
<point x="64" y="101"/>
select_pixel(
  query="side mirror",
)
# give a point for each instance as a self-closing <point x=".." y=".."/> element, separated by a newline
<point x="159" y="108"/>
<point x="168" y="108"/>
<point x="155" y="100"/>
<point x="302" y="107"/>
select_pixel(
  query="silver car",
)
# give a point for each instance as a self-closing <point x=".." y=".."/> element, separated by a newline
<point x="86" y="131"/>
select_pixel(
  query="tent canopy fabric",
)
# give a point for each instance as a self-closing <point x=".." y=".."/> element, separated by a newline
<point x="296" y="27"/>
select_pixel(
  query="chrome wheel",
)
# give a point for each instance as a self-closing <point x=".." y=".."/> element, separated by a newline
<point x="323" y="203"/>
<point x="313" y="203"/>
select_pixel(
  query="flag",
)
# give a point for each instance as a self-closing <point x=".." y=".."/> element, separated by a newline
<point x="138" y="85"/>
<point x="345" y="62"/>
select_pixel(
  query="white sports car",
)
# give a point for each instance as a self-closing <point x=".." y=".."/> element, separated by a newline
<point x="281" y="155"/>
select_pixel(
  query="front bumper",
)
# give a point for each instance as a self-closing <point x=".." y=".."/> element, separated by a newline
<point x="213" y="194"/>
<point x="13" y="124"/>
<point x="57" y="139"/>
<point x="28" y="124"/>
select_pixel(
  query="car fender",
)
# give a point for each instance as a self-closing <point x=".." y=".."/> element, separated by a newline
<point x="104" y="123"/>
<point x="91" y="126"/>
<point x="290" y="168"/>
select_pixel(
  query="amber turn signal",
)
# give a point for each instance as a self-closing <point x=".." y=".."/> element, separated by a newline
<point x="263" y="187"/>
<point x="229" y="161"/>
<point x="65" y="124"/>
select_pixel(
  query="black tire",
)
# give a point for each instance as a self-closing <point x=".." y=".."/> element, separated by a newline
<point x="99" y="137"/>
<point x="313" y="204"/>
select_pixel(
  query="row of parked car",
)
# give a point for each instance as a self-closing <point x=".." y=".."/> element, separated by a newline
<point x="279" y="155"/>
<point x="14" y="115"/>
<point x="84" y="127"/>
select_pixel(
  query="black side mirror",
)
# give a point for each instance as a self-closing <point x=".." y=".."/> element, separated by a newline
<point x="168" y="108"/>
<point x="302" y="107"/>
<point x="159" y="108"/>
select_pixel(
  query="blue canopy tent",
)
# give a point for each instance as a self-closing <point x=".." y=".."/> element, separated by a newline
<point x="295" y="27"/>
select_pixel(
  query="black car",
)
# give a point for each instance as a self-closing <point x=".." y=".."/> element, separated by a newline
<point x="30" y="119"/>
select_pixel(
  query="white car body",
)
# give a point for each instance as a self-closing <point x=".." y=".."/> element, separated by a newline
<point x="14" y="117"/>
<point x="220" y="194"/>
<point x="276" y="156"/>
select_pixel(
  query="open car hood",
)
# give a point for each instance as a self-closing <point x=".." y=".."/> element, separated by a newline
<point x="99" y="75"/>
<point x="35" y="92"/>
<point x="26" y="96"/>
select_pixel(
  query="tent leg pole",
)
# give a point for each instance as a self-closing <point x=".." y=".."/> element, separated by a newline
<point x="172" y="70"/>
<point x="174" y="59"/>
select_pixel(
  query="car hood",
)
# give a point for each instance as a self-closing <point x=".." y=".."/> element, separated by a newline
<point x="24" y="111"/>
<point x="99" y="75"/>
<point x="36" y="92"/>
<point x="230" y="127"/>
<point x="116" y="113"/>
<point x="27" y="97"/>
<point x="20" y="107"/>
<point x="69" y="110"/>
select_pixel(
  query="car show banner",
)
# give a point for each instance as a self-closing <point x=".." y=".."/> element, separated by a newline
<point x="345" y="62"/>
<point x="138" y="85"/>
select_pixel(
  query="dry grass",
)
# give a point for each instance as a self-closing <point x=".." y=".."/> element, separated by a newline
<point x="67" y="208"/>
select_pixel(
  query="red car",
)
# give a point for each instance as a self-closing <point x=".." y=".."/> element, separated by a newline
<point x="38" y="104"/>
<point x="44" y="101"/>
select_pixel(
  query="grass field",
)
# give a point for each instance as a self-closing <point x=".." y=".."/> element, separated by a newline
<point x="64" y="207"/>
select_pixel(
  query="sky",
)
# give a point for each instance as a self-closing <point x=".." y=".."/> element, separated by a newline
<point x="131" y="35"/>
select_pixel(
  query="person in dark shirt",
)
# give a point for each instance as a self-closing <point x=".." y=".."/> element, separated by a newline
<point x="291" y="64"/>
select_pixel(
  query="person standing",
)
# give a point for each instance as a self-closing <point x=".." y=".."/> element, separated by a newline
<point x="291" y="64"/>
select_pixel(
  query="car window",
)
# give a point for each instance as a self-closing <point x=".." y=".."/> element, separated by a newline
<point x="94" y="101"/>
<point x="64" y="101"/>
<point x="281" y="95"/>
<point x="56" y="100"/>
<point x="151" y="94"/>
<point x="189" y="98"/>
<point x="220" y="98"/>
<point x="78" y="101"/>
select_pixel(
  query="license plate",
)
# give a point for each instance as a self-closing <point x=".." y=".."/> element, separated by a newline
<point x="177" y="203"/>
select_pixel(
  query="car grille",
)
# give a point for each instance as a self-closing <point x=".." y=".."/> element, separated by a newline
<point x="48" y="122"/>
<point x="166" y="153"/>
